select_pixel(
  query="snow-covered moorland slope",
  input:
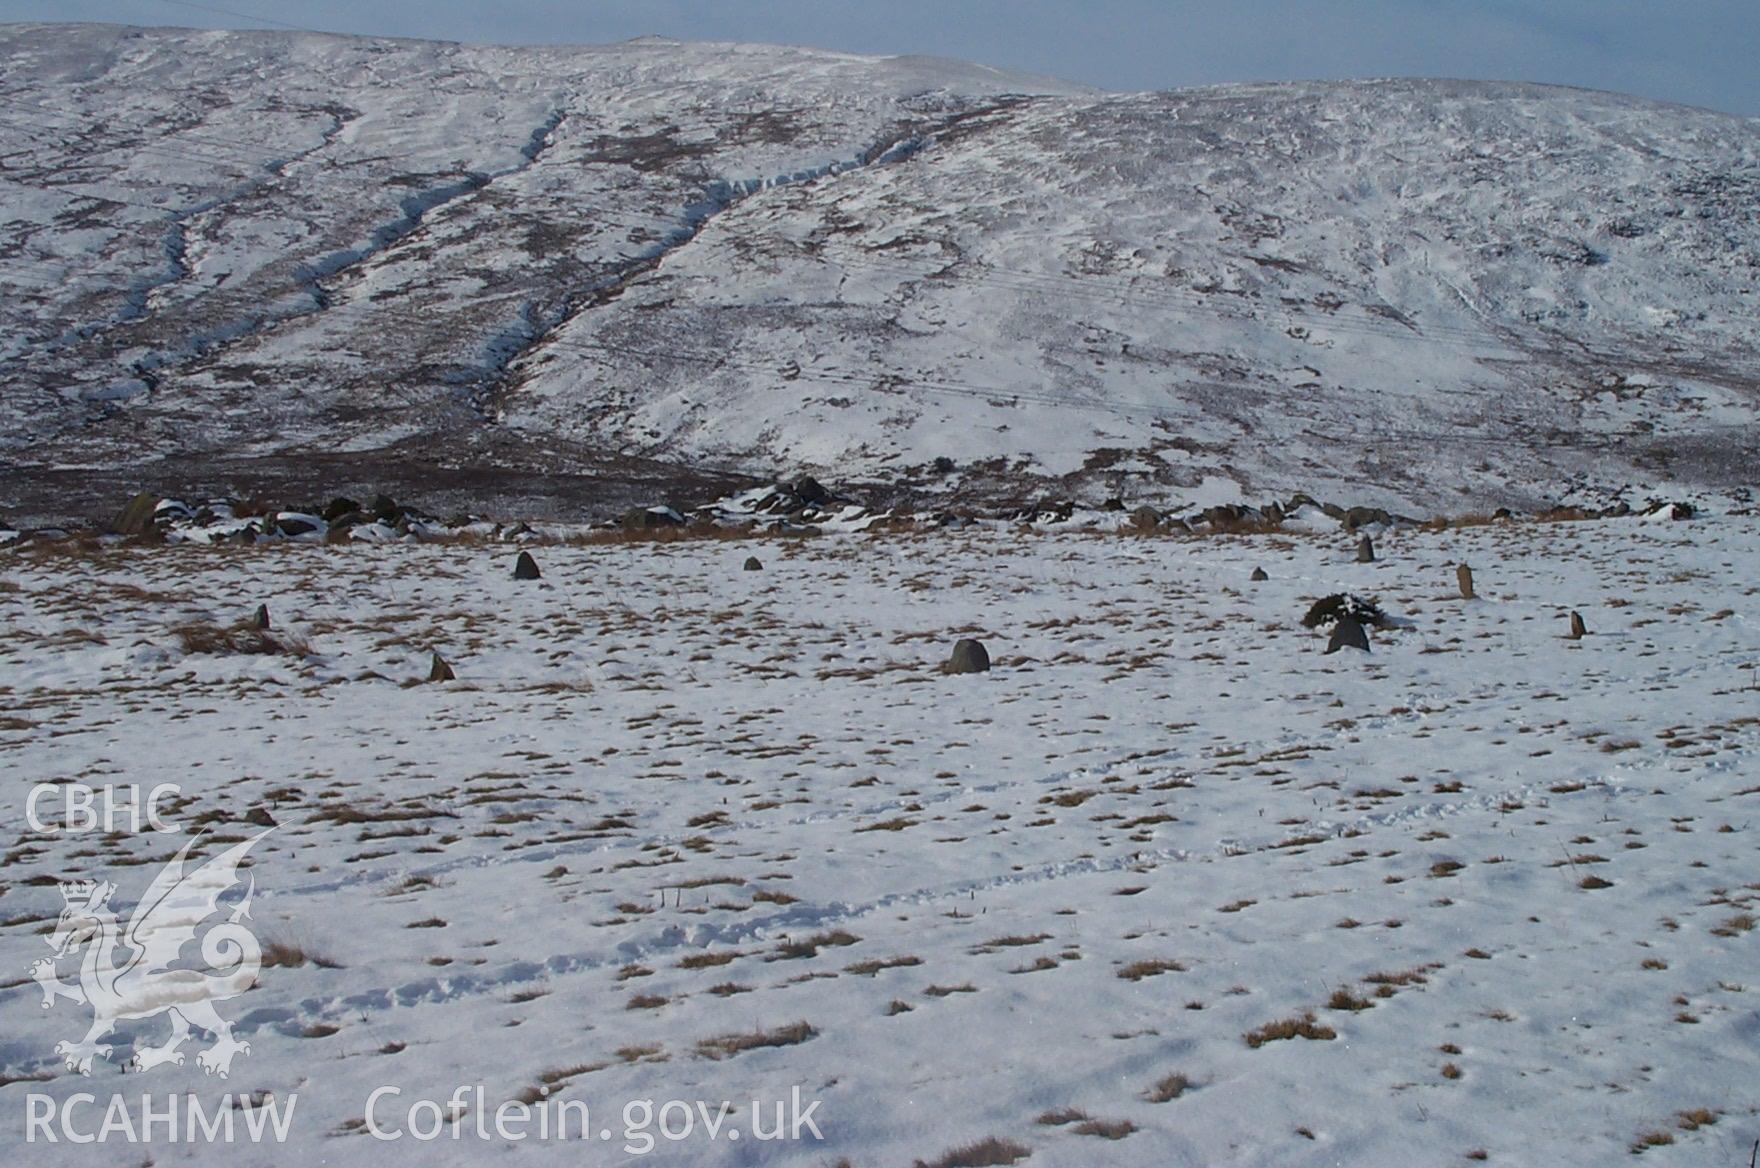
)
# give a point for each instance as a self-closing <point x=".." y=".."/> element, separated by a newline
<point x="1436" y="294"/>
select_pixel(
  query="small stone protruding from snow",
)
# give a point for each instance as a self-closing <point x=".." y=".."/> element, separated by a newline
<point x="811" y="491"/>
<point x="969" y="656"/>
<point x="1578" y="629"/>
<point x="260" y="618"/>
<point x="1464" y="577"/>
<point x="1365" y="550"/>
<point x="525" y="568"/>
<point x="260" y="816"/>
<point x="439" y="670"/>
<point x="1348" y="633"/>
<point x="753" y="564"/>
<point x="1259" y="576"/>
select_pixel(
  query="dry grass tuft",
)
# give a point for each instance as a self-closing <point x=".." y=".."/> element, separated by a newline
<point x="985" y="1153"/>
<point x="1302" y="1027"/>
<point x="1735" y="926"/>
<point x="240" y="639"/>
<point x="1651" y="1139"/>
<point x="728" y="1045"/>
<point x="1106" y="1129"/>
<point x="810" y="946"/>
<point x="287" y="955"/>
<point x="1150" y="967"/>
<point x="1168" y="1088"/>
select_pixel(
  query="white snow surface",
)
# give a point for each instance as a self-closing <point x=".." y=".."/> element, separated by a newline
<point x="668" y="800"/>
<point x="1427" y="294"/>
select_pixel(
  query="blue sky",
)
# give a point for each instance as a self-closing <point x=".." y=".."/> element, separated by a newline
<point x="1702" y="52"/>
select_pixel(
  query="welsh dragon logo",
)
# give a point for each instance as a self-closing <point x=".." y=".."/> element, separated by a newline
<point x="150" y="980"/>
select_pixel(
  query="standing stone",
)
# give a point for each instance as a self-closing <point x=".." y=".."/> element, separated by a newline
<point x="753" y="564"/>
<point x="1578" y="629"/>
<point x="1464" y="576"/>
<point x="439" y="670"/>
<point x="525" y="568"/>
<point x="1259" y="575"/>
<point x="1348" y="633"/>
<point x="969" y="656"/>
<point x="1365" y="551"/>
<point x="261" y="617"/>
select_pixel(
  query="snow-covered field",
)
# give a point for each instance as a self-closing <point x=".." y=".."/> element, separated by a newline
<point x="1512" y="877"/>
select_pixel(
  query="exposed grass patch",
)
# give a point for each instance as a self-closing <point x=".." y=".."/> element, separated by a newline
<point x="810" y="946"/>
<point x="1735" y="926"/>
<point x="1106" y="1129"/>
<point x="1288" y="1028"/>
<point x="985" y="1153"/>
<point x="728" y="1045"/>
<point x="1150" y="967"/>
<point x="241" y="638"/>
<point x="287" y="955"/>
<point x="1168" y="1088"/>
<point x="873" y="966"/>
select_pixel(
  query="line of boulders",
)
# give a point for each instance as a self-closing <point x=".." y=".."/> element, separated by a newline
<point x="1224" y="518"/>
<point x="799" y="506"/>
<point x="148" y="516"/>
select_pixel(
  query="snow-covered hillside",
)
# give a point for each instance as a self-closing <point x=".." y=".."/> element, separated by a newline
<point x="223" y="247"/>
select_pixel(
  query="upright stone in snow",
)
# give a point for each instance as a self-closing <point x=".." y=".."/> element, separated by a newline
<point x="438" y="670"/>
<point x="1259" y="575"/>
<point x="525" y="568"/>
<point x="1464" y="577"/>
<point x="753" y="564"/>
<point x="1365" y="551"/>
<point x="260" y="618"/>
<point x="969" y="656"/>
<point x="1348" y="633"/>
<point x="1578" y="629"/>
